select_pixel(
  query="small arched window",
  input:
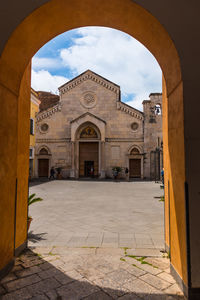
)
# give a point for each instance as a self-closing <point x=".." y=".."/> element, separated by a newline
<point x="43" y="151"/>
<point x="135" y="151"/>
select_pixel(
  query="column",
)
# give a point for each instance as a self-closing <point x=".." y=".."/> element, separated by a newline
<point x="142" y="167"/>
<point x="72" y="171"/>
<point x="102" y="170"/>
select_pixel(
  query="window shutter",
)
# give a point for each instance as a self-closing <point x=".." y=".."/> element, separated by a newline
<point x="31" y="126"/>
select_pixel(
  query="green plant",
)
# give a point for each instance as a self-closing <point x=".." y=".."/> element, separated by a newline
<point x="162" y="199"/>
<point x="141" y="260"/>
<point x="117" y="169"/>
<point x="122" y="259"/>
<point x="32" y="199"/>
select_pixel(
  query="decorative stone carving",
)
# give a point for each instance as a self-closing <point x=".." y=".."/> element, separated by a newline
<point x="49" y="112"/>
<point x="89" y="75"/>
<point x="88" y="100"/>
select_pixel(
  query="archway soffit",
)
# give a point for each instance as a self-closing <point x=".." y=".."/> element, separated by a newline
<point x="58" y="16"/>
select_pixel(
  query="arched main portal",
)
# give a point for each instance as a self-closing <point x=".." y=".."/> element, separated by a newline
<point x="89" y="151"/>
<point x="43" y="24"/>
<point x="135" y="163"/>
<point x="43" y="162"/>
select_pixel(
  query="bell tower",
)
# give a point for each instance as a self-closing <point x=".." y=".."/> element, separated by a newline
<point x="153" y="140"/>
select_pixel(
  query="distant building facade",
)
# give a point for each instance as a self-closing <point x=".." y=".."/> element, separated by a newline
<point x="89" y="131"/>
<point x="34" y="108"/>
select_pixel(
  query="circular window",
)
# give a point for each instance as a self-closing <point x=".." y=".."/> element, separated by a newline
<point x="134" y="126"/>
<point x="44" y="127"/>
<point x="88" y="100"/>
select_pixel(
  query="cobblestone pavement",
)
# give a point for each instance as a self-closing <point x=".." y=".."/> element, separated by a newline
<point x="97" y="214"/>
<point x="63" y="273"/>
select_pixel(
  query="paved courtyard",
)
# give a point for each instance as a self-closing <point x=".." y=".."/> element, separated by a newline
<point x="61" y="273"/>
<point x="94" y="241"/>
<point x="98" y="214"/>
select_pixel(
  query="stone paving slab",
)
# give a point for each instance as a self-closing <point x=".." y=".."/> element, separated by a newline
<point x="145" y="252"/>
<point x="92" y="274"/>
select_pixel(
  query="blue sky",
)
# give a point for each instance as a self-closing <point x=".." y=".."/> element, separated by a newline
<point x="108" y="52"/>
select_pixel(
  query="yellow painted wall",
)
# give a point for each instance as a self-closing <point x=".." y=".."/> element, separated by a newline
<point x="23" y="158"/>
<point x="165" y="158"/>
<point x="34" y="108"/>
<point x="33" y="111"/>
<point x="8" y="172"/>
<point x="58" y="16"/>
<point x="174" y="176"/>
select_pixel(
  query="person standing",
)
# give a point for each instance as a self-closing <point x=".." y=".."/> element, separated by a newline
<point x="52" y="173"/>
<point x="162" y="175"/>
<point x="127" y="173"/>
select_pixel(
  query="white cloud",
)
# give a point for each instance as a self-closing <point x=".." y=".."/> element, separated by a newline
<point x="117" y="57"/>
<point x="39" y="63"/>
<point x="108" y="52"/>
<point x="43" y="81"/>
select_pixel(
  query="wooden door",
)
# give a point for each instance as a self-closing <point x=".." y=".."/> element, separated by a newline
<point x="135" y="168"/>
<point x="43" y="167"/>
<point x="88" y="153"/>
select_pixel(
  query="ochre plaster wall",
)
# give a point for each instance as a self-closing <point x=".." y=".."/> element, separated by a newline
<point x="42" y="25"/>
<point x="8" y="173"/>
<point x="174" y="176"/>
<point x="165" y="160"/>
<point x="23" y="158"/>
<point x="176" y="181"/>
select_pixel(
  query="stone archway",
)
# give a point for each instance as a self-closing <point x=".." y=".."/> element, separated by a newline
<point x="135" y="163"/>
<point x="43" y="162"/>
<point x="44" y="23"/>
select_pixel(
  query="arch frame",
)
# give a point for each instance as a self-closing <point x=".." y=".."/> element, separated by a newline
<point x="90" y="119"/>
<point x="43" y="146"/>
<point x="39" y="27"/>
<point x="42" y="156"/>
<point x="139" y="155"/>
<point x="134" y="146"/>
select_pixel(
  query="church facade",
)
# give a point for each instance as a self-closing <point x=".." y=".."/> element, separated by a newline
<point x="90" y="131"/>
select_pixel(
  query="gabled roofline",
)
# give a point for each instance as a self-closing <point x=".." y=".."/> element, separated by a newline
<point x="75" y="78"/>
<point x="141" y="112"/>
<point x="87" y="113"/>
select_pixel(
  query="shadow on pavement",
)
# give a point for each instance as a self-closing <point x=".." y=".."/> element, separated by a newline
<point x="34" y="277"/>
<point x="34" y="238"/>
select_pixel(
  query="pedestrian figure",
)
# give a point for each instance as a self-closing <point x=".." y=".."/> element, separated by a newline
<point x="126" y="173"/>
<point x="92" y="171"/>
<point x="162" y="175"/>
<point x="52" y="173"/>
<point x="115" y="173"/>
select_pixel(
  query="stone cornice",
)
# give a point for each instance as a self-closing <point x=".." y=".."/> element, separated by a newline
<point x="87" y="114"/>
<point x="130" y="110"/>
<point x="53" y="140"/>
<point x="49" y="112"/>
<point x="124" y="140"/>
<point x="89" y="75"/>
